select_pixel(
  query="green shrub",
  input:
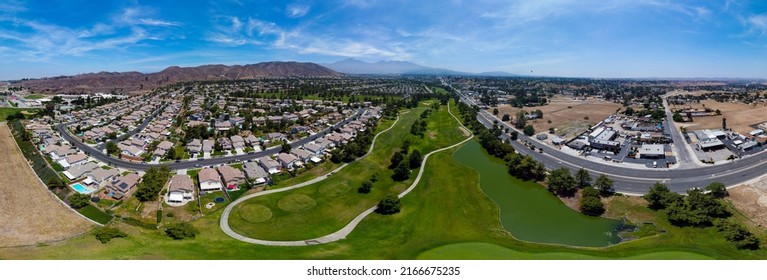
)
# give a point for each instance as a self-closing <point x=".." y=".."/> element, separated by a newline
<point x="105" y="234"/>
<point x="180" y="231"/>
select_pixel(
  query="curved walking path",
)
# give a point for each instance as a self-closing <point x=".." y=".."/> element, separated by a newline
<point x="346" y="230"/>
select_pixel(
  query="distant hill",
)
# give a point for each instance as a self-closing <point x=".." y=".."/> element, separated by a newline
<point x="137" y="82"/>
<point x="355" y="66"/>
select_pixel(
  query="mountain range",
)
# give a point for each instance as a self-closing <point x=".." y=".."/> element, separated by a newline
<point x="140" y="82"/>
<point x="355" y="66"/>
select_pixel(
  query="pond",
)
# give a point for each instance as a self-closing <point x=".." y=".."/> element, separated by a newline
<point x="529" y="211"/>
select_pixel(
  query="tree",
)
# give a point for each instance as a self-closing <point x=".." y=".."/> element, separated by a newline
<point x="505" y="118"/>
<point x="689" y="116"/>
<point x="390" y="204"/>
<point x="401" y="172"/>
<point x="285" y="148"/>
<point x="396" y="159"/>
<point x="529" y="130"/>
<point x="629" y="111"/>
<point x="405" y="146"/>
<point x="604" y="185"/>
<point x="657" y="197"/>
<point x="514" y="136"/>
<point x="112" y="148"/>
<point x="366" y="187"/>
<point x="495" y="111"/>
<point x="538" y="113"/>
<point x="105" y="234"/>
<point x="677" y="117"/>
<point x="336" y="156"/>
<point x="724" y="123"/>
<point x="583" y="178"/>
<point x="738" y="235"/>
<point x="561" y="182"/>
<point x="591" y="204"/>
<point x="56" y="183"/>
<point x="78" y="200"/>
<point x="415" y="159"/>
<point x="717" y="189"/>
<point x="521" y="120"/>
<point x="181" y="230"/>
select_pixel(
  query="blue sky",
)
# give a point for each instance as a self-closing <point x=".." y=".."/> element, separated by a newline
<point x="574" y="38"/>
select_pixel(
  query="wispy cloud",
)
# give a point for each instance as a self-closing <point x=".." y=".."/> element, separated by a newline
<point x="757" y="23"/>
<point x="297" y="11"/>
<point x="37" y="41"/>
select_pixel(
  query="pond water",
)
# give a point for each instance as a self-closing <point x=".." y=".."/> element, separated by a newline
<point x="530" y="212"/>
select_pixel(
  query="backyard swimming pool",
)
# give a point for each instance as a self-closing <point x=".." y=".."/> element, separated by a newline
<point x="81" y="189"/>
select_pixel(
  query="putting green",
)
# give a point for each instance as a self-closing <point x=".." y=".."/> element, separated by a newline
<point x="487" y="251"/>
<point x="296" y="203"/>
<point x="255" y="213"/>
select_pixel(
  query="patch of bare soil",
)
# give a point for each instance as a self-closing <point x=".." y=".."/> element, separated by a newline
<point x="751" y="202"/>
<point x="29" y="213"/>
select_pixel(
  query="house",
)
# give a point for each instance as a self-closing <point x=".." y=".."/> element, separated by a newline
<point x="287" y="160"/>
<point x="314" y="148"/>
<point x="123" y="185"/>
<point x="252" y="140"/>
<point x="207" y="145"/>
<point x="181" y="188"/>
<point x="226" y="144"/>
<point x="223" y="126"/>
<point x="305" y="155"/>
<point x="259" y="121"/>
<point x="233" y="177"/>
<point x="75" y="159"/>
<point x="163" y="148"/>
<point x="194" y="147"/>
<point x="276" y="136"/>
<point x="209" y="180"/>
<point x="130" y="150"/>
<point x="255" y="173"/>
<point x="100" y="175"/>
<point x="237" y="142"/>
<point x="138" y="143"/>
<point x="77" y="171"/>
<point x="270" y="165"/>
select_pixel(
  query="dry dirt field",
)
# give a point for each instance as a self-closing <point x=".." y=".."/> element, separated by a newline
<point x="563" y="111"/>
<point x="29" y="213"/>
<point x="751" y="201"/>
<point x="739" y="116"/>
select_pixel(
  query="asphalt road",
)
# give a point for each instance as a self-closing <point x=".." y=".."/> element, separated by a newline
<point x="634" y="180"/>
<point x="189" y="164"/>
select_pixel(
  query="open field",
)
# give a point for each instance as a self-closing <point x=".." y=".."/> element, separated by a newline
<point x="751" y="200"/>
<point x="29" y="213"/>
<point x="740" y="116"/>
<point x="563" y="111"/>
<point x="5" y="112"/>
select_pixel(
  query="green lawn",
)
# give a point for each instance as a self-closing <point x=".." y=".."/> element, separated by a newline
<point x="95" y="214"/>
<point x="34" y="96"/>
<point x="335" y="201"/>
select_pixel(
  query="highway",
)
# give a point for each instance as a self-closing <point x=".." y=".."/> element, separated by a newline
<point x="189" y="164"/>
<point x="633" y="180"/>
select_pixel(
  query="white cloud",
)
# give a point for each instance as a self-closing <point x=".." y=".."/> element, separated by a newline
<point x="37" y="41"/>
<point x="297" y="11"/>
<point x="757" y="23"/>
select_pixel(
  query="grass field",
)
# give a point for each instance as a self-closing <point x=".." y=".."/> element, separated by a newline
<point x="327" y="206"/>
<point x="5" y="112"/>
<point x="30" y="213"/>
<point x="95" y="214"/>
<point x="35" y="96"/>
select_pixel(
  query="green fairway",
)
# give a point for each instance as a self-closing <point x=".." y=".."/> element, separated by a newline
<point x="335" y="201"/>
<point x="486" y="251"/>
<point x="5" y="112"/>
